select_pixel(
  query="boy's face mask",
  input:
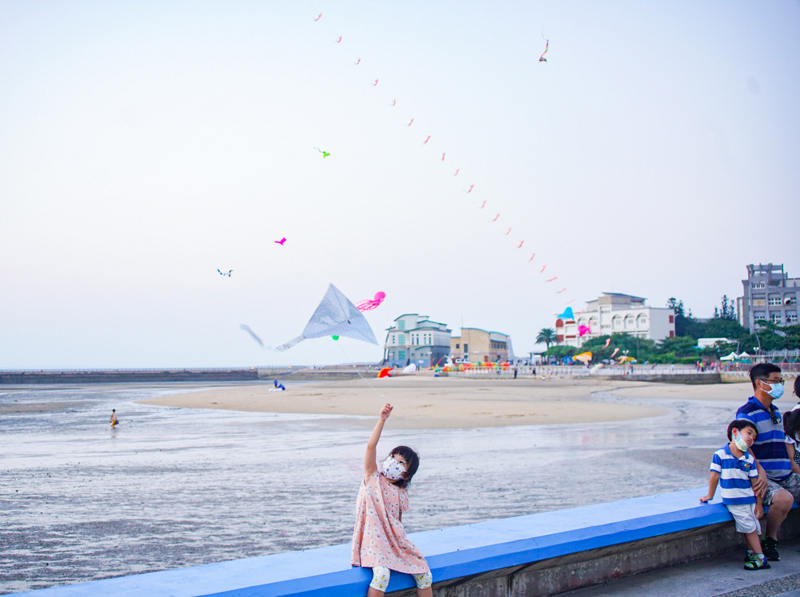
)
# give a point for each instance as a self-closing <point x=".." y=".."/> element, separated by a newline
<point x="392" y="469"/>
<point x="739" y="442"/>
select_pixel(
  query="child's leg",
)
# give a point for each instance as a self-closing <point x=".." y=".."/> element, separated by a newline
<point x="380" y="580"/>
<point x="754" y="542"/>
<point x="424" y="582"/>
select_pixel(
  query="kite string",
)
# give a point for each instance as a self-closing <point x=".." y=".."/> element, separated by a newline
<point x="359" y="373"/>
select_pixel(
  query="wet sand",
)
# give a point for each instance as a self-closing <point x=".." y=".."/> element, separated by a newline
<point x="424" y="402"/>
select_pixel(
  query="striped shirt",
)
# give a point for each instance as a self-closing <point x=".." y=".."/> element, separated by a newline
<point x="734" y="476"/>
<point x="770" y="447"/>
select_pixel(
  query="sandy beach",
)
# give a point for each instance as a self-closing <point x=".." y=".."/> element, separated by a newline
<point x="453" y="403"/>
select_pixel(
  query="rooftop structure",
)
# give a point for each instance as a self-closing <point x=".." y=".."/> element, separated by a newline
<point x="415" y="339"/>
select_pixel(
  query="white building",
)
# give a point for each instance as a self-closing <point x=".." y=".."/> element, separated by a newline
<point x="415" y="339"/>
<point x="614" y="313"/>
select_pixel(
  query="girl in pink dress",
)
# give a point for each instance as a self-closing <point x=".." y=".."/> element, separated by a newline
<point x="379" y="540"/>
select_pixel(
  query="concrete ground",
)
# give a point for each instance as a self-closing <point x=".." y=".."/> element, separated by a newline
<point x="717" y="577"/>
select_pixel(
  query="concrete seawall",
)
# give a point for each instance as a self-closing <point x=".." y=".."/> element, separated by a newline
<point x="166" y="375"/>
<point x="538" y="554"/>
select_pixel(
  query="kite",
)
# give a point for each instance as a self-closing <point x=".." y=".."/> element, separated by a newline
<point x="562" y="290"/>
<point x="358" y="62"/>
<point x="552" y="279"/>
<point x="482" y="205"/>
<point x="584" y="357"/>
<point x="572" y="301"/>
<point x="596" y="368"/>
<point x="541" y="271"/>
<point x="508" y="232"/>
<point x="324" y="153"/>
<point x="616" y="350"/>
<point x="522" y="242"/>
<point x="472" y="186"/>
<point x="338" y="41"/>
<point x="583" y="330"/>
<point x="546" y="46"/>
<point x="443" y="157"/>
<point x="375" y="84"/>
<point x="318" y="18"/>
<point x="608" y="341"/>
<point x="532" y="256"/>
<point x="230" y="271"/>
<point x="247" y="329"/>
<point x="426" y="140"/>
<point x="412" y="122"/>
<point x="412" y="368"/>
<point x="280" y="242"/>
<point x="335" y="315"/>
<point x="457" y="171"/>
<point x="385" y="372"/>
<point x="369" y="305"/>
<point x="394" y="103"/>
<point x="495" y="218"/>
<point x="567" y="314"/>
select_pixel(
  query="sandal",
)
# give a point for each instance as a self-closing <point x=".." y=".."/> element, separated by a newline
<point x="757" y="564"/>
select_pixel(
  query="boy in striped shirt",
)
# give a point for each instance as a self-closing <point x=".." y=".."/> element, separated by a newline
<point x="734" y="468"/>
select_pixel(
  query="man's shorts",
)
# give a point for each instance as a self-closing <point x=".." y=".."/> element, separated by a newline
<point x="790" y="484"/>
<point x="745" y="517"/>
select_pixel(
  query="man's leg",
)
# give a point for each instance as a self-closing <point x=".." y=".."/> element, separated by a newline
<point x="779" y="507"/>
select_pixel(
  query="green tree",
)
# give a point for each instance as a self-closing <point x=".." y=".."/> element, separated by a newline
<point x="682" y="321"/>
<point x="547" y="336"/>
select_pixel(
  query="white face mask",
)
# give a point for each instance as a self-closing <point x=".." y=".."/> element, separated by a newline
<point x="392" y="469"/>
<point x="739" y="442"/>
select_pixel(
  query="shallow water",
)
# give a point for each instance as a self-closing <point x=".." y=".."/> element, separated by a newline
<point x="178" y="487"/>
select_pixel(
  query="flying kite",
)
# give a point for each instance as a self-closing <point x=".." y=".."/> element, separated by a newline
<point x="394" y="103"/>
<point x="608" y="341"/>
<point x="324" y="153"/>
<point x="375" y="84"/>
<point x="562" y="290"/>
<point x="482" y="205"/>
<point x="228" y="273"/>
<point x="616" y="350"/>
<point x="318" y="18"/>
<point x="443" y="157"/>
<point x="472" y="186"/>
<point x="385" y="372"/>
<point x="426" y="140"/>
<point x="338" y="41"/>
<point x="247" y="329"/>
<point x="542" y="58"/>
<point x="412" y="122"/>
<point x="508" y="232"/>
<point x="335" y="315"/>
<point x="567" y="314"/>
<point x="552" y="279"/>
<point x="541" y="271"/>
<point x="358" y="62"/>
<point x="280" y="242"/>
<point x="532" y="256"/>
<point x="457" y="171"/>
<point x="584" y="357"/>
<point x="583" y="330"/>
<point x="370" y="304"/>
<point x="522" y="242"/>
<point x="495" y="218"/>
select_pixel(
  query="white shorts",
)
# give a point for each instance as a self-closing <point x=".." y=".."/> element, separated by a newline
<point x="745" y="517"/>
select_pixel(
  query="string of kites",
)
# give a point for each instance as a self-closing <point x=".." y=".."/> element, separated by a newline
<point x="339" y="40"/>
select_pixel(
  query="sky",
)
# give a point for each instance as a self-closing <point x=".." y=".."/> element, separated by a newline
<point x="145" y="145"/>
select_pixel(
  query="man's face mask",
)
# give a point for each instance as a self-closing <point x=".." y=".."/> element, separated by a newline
<point x="775" y="389"/>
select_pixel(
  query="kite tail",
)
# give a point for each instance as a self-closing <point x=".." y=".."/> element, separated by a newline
<point x="290" y="343"/>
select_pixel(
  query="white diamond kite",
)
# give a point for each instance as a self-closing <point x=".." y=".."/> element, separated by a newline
<point x="335" y="316"/>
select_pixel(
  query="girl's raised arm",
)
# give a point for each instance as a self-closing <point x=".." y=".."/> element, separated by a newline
<point x="370" y="464"/>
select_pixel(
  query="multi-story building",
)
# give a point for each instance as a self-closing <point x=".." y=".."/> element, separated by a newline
<point x="479" y="345"/>
<point x="769" y="294"/>
<point x="415" y="339"/>
<point x="614" y="313"/>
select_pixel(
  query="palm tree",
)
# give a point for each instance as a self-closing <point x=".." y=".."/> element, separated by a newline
<point x="548" y="336"/>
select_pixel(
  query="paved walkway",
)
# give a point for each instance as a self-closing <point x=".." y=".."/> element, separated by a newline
<point x="718" y="577"/>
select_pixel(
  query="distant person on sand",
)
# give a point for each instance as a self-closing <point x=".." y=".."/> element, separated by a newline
<point x="778" y="477"/>
<point x="734" y="468"/>
<point x="114" y="420"/>
<point x="379" y="539"/>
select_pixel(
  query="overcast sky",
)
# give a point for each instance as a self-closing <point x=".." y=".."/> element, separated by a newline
<point x="143" y="145"/>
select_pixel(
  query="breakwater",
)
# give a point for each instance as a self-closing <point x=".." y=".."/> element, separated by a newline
<point x="126" y="376"/>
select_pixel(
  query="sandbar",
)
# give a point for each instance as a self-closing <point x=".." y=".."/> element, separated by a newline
<point x="424" y="402"/>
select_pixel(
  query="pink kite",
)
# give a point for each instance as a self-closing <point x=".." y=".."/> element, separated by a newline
<point x="616" y="350"/>
<point x="426" y="140"/>
<point x="541" y="271"/>
<point x="553" y="279"/>
<point x="532" y="256"/>
<point x="443" y="157"/>
<point x="572" y="301"/>
<point x="375" y="84"/>
<point x="394" y="102"/>
<point x="583" y="330"/>
<point x="457" y="171"/>
<point x="318" y="18"/>
<point x="412" y="122"/>
<point x="472" y="186"/>
<point x="495" y="218"/>
<point x="338" y="41"/>
<point x="369" y="305"/>
<point x="358" y="61"/>
<point x="522" y="242"/>
<point x="509" y="231"/>
<point x="482" y="205"/>
<point x="608" y="341"/>
<point x="280" y="242"/>
<point x="562" y="290"/>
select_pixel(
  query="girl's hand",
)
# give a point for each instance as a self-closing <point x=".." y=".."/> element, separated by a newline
<point x="386" y="411"/>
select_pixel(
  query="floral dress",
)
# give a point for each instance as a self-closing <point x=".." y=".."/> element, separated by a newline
<point x="379" y="538"/>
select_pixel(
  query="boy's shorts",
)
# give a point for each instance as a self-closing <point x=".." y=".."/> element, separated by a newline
<point x="745" y="517"/>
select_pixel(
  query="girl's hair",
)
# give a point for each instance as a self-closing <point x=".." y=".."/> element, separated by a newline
<point x="791" y="423"/>
<point x="740" y="424"/>
<point x="797" y="386"/>
<point x="412" y="460"/>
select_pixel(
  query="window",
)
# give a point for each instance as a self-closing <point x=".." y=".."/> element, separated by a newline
<point x="458" y="345"/>
<point x="641" y="321"/>
<point x="791" y="318"/>
<point x="401" y="339"/>
<point x="775" y="317"/>
<point x="401" y="325"/>
<point x="629" y="322"/>
<point x="789" y="299"/>
<point x="775" y="300"/>
<point x="394" y="339"/>
<point x="758" y="285"/>
<point x="616" y="323"/>
<point x="672" y="319"/>
<point x="671" y="333"/>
